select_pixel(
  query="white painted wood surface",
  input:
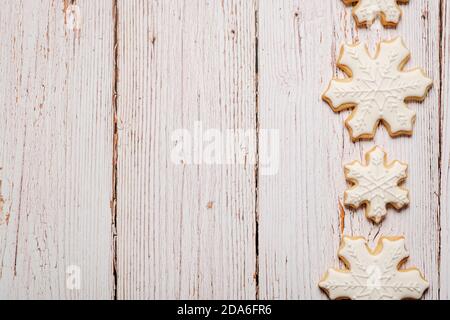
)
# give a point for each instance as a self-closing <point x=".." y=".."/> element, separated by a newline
<point x="184" y="230"/>
<point x="56" y="150"/>
<point x="302" y="218"/>
<point x="140" y="226"/>
<point x="444" y="163"/>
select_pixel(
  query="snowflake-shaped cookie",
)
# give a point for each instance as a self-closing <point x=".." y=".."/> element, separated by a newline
<point x="376" y="184"/>
<point x="366" y="11"/>
<point x="377" y="89"/>
<point x="374" y="275"/>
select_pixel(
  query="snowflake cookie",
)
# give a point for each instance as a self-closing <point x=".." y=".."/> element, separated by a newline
<point x="376" y="184"/>
<point x="373" y="275"/>
<point x="366" y="11"/>
<point x="377" y="89"/>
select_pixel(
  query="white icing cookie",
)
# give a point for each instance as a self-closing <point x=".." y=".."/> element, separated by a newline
<point x="376" y="184"/>
<point x="377" y="89"/>
<point x="374" y="275"/>
<point x="366" y="11"/>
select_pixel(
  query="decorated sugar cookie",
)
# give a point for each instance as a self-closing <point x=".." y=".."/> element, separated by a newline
<point x="374" y="275"/>
<point x="375" y="184"/>
<point x="377" y="89"/>
<point x="366" y="11"/>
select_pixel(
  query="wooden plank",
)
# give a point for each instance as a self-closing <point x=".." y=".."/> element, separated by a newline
<point x="419" y="223"/>
<point x="187" y="230"/>
<point x="56" y="149"/>
<point x="445" y="154"/>
<point x="301" y="220"/>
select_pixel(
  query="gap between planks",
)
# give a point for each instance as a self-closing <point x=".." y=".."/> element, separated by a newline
<point x="440" y="132"/>
<point x="115" y="146"/>
<point x="257" y="127"/>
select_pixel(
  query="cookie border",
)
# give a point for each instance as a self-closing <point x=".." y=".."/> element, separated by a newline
<point x="381" y="15"/>
<point x="353" y="106"/>
<point x="376" y="251"/>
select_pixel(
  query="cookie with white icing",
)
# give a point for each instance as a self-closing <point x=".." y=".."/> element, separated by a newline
<point x="376" y="184"/>
<point x="366" y="11"/>
<point x="377" y="89"/>
<point x="374" y="274"/>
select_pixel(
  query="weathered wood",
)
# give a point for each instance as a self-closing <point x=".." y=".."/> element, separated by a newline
<point x="69" y="193"/>
<point x="301" y="214"/>
<point x="184" y="230"/>
<point x="56" y="149"/>
<point x="445" y="154"/>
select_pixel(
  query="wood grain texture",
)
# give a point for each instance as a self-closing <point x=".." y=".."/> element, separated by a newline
<point x="56" y="149"/>
<point x="299" y="224"/>
<point x="301" y="214"/>
<point x="185" y="231"/>
<point x="445" y="154"/>
<point x="90" y="105"/>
